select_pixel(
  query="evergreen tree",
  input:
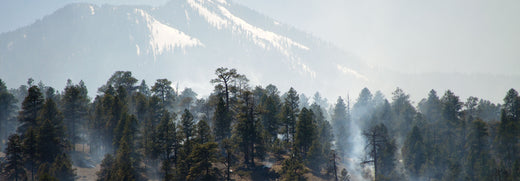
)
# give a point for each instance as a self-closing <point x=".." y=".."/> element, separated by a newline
<point x="229" y="158"/>
<point x="50" y="112"/>
<point x="62" y="168"/>
<point x="403" y="112"/>
<point x="488" y="111"/>
<point x="31" y="106"/>
<point x="164" y="91"/>
<point x="165" y="143"/>
<point x="248" y="129"/>
<point x="362" y="107"/>
<point x="222" y="123"/>
<point x="187" y="130"/>
<point x="13" y="168"/>
<point x="120" y="79"/>
<point x="30" y="150"/>
<point x="125" y="166"/>
<point x="321" y="146"/>
<point x="413" y="152"/>
<point x="304" y="101"/>
<point x="144" y="89"/>
<point x="225" y="80"/>
<point x="380" y="150"/>
<point x="305" y="132"/>
<point x="106" y="173"/>
<point x="75" y="109"/>
<point x="431" y="107"/>
<point x="293" y="169"/>
<point x="270" y="108"/>
<point x="203" y="133"/>
<point x="455" y="127"/>
<point x="289" y="115"/>
<point x="509" y="127"/>
<point x="478" y="151"/>
<point x="7" y="110"/>
<point x="341" y="122"/>
<point x="203" y="157"/>
<point x="49" y="144"/>
<point x="322" y="102"/>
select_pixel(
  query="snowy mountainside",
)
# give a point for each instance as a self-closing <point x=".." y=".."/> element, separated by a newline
<point x="184" y="40"/>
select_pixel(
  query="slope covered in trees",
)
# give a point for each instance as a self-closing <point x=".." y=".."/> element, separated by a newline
<point x="245" y="132"/>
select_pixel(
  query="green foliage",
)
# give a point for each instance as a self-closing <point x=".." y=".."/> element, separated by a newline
<point x="203" y="157"/>
<point x="509" y="127"/>
<point x="125" y="166"/>
<point x="293" y="169"/>
<point x="270" y="107"/>
<point x="31" y="106"/>
<point x="30" y="150"/>
<point x="317" y="156"/>
<point x="431" y="107"/>
<point x="75" y="108"/>
<point x="120" y="79"/>
<point x="306" y="132"/>
<point x="363" y="105"/>
<point x="187" y="130"/>
<point x="106" y="173"/>
<point x="7" y="110"/>
<point x="414" y="152"/>
<point x="444" y="139"/>
<point x="222" y="122"/>
<point x="341" y="123"/>
<point x="289" y="115"/>
<point x="247" y="131"/>
<point x="403" y="112"/>
<point x="62" y="169"/>
<point x="49" y="144"/>
<point x="380" y="150"/>
<point x="478" y="151"/>
<point x="14" y="169"/>
<point x="164" y="91"/>
<point x="203" y="133"/>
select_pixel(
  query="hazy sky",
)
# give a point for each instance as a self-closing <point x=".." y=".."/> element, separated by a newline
<point x="412" y="36"/>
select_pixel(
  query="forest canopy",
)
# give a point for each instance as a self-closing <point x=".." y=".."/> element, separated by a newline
<point x="135" y="131"/>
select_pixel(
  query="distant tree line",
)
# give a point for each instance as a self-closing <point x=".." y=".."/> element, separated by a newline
<point x="141" y="132"/>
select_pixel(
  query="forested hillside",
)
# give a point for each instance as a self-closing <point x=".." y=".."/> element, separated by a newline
<point x="134" y="130"/>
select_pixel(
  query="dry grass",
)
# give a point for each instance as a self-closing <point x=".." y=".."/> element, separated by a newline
<point x="86" y="174"/>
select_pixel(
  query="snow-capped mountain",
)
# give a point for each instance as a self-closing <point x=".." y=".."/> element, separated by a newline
<point x="186" y="40"/>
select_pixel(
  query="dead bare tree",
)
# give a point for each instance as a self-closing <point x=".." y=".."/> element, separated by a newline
<point x="376" y="138"/>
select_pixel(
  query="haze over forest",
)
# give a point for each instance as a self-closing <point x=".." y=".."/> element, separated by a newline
<point x="247" y="90"/>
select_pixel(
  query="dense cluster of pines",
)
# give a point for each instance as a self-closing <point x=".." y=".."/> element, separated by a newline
<point x="138" y="132"/>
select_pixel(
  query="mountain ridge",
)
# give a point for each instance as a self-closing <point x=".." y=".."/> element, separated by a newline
<point x="185" y="41"/>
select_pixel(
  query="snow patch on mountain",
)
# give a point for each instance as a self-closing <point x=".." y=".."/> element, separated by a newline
<point x="262" y="37"/>
<point x="347" y="70"/>
<point x="222" y="2"/>
<point x="165" y="38"/>
<point x="218" y="16"/>
<point x="214" y="19"/>
<point x="92" y="12"/>
<point x="306" y="69"/>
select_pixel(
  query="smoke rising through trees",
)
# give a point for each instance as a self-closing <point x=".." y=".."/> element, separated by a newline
<point x="241" y="131"/>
